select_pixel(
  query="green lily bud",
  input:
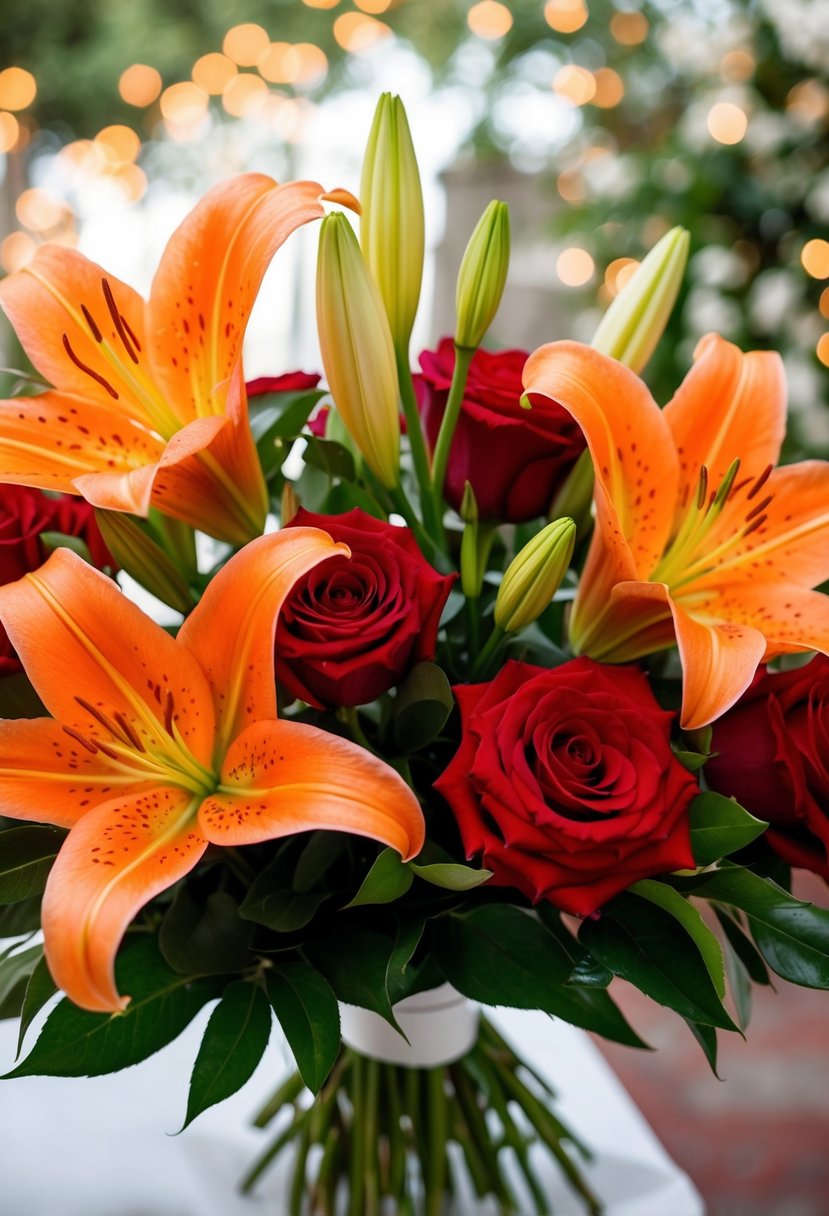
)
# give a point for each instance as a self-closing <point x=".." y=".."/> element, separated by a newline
<point x="636" y="320"/>
<point x="357" y="350"/>
<point x="476" y="545"/>
<point x="391" y="227"/>
<point x="534" y="576"/>
<point x="482" y="276"/>
<point x="146" y="562"/>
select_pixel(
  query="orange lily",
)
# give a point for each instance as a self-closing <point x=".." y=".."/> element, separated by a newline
<point x="160" y="746"/>
<point x="149" y="405"/>
<point x="699" y="539"/>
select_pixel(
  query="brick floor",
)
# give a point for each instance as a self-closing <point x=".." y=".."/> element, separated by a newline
<point x="757" y="1142"/>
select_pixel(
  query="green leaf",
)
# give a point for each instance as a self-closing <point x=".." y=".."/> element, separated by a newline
<point x="307" y="1011"/>
<point x="792" y="936"/>
<point x="331" y="458"/>
<point x="282" y="415"/>
<point x="233" y="1044"/>
<point x="693" y="761"/>
<point x="677" y="905"/>
<point x="450" y="875"/>
<point x="316" y="859"/>
<point x="706" y="1036"/>
<point x="499" y="955"/>
<point x="424" y="702"/>
<point x="387" y="880"/>
<point x="40" y="988"/>
<point x="272" y="900"/>
<point x="586" y="971"/>
<point x="720" y="826"/>
<point x="739" y="985"/>
<point x="204" y="939"/>
<point x="355" y="963"/>
<point x="15" y="970"/>
<point x="16" y="919"/>
<point x="647" y="947"/>
<point x="743" y="947"/>
<point x="402" y="979"/>
<point x="75" y="1043"/>
<point x="26" y="857"/>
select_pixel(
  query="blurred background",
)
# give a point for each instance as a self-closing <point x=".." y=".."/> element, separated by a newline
<point x="602" y="123"/>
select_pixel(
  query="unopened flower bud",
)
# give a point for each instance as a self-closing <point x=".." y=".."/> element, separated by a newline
<point x="636" y="320"/>
<point x="144" y="560"/>
<point x="357" y="350"/>
<point x="391" y="228"/>
<point x="534" y="576"/>
<point x="288" y="503"/>
<point x="482" y="276"/>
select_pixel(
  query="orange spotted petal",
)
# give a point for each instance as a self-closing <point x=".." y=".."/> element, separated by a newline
<point x="730" y="405"/>
<point x="633" y="455"/>
<point x="78" y="636"/>
<point x="208" y="279"/>
<point x="231" y="630"/>
<point x="49" y="777"/>
<point x="719" y="659"/>
<point x="114" y="860"/>
<point x="630" y="620"/>
<point x="84" y="331"/>
<point x="284" y="777"/>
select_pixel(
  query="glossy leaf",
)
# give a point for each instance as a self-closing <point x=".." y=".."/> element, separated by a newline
<point x="26" y="857"/>
<point x="23" y="917"/>
<point x="450" y="875"/>
<point x="677" y="905"/>
<point x="743" y="947"/>
<point x="387" y="880"/>
<point x="307" y="1011"/>
<point x="650" y="949"/>
<point x="423" y="704"/>
<point x="233" y="1044"/>
<point x="499" y="955"/>
<point x="739" y="985"/>
<point x="15" y="970"/>
<point x="273" y="901"/>
<point x="75" y="1043"/>
<point x="586" y="971"/>
<point x="720" y="826"/>
<point x="206" y="938"/>
<point x="355" y="963"/>
<point x="706" y="1036"/>
<point x="40" y="989"/>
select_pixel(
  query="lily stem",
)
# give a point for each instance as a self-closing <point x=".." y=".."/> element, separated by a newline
<point x="440" y="460"/>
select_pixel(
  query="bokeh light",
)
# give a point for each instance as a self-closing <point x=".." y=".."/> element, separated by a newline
<point x="822" y="349"/>
<point x="575" y="84"/>
<point x="808" y="101"/>
<point x="727" y="123"/>
<point x="489" y="19"/>
<point x="16" y="251"/>
<point x="245" y="43"/>
<point x="737" y="66"/>
<point x="824" y="303"/>
<point x="303" y="64"/>
<point x="244" y="95"/>
<point x="139" y="85"/>
<point x="570" y="185"/>
<point x="814" y="257"/>
<point x="18" y="89"/>
<point x="373" y="6"/>
<point x="121" y="144"/>
<point x="565" y="16"/>
<point x="321" y="3"/>
<point x="574" y="267"/>
<point x="610" y="88"/>
<point x="9" y="132"/>
<point x="212" y="72"/>
<point x="184" y="103"/>
<point x="618" y="273"/>
<point x="357" y="32"/>
<point x="629" y="29"/>
<point x="38" y="210"/>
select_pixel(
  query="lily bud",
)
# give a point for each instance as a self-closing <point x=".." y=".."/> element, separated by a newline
<point x="482" y="276"/>
<point x="288" y="504"/>
<point x="144" y="560"/>
<point x="357" y="350"/>
<point x="391" y="228"/>
<point x="534" y="576"/>
<point x="636" y="320"/>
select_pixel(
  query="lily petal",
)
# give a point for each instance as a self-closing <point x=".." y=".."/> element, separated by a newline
<point x="113" y="861"/>
<point x="730" y="405"/>
<point x="46" y="775"/>
<point x="78" y="636"/>
<point x="231" y="630"/>
<point x="719" y="660"/>
<point x="285" y="777"/>
<point x="791" y="619"/>
<point x="208" y="278"/>
<point x="634" y="457"/>
<point x="83" y="330"/>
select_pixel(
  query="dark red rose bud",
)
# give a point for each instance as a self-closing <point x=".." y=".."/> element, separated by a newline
<point x="515" y="459"/>
<point x="772" y="755"/>
<point x="565" y="785"/>
<point x="353" y="627"/>
<point x="290" y="382"/>
<point x="24" y="515"/>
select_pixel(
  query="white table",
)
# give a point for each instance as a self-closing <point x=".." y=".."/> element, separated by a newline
<point x="103" y="1146"/>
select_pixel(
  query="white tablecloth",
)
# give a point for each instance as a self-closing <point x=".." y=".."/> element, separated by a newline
<point x="103" y="1146"/>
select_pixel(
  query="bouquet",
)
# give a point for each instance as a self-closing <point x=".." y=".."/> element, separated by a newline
<point x="512" y="702"/>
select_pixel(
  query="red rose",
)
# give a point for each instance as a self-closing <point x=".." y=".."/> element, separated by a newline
<point x="565" y="785"/>
<point x="772" y="755"/>
<point x="24" y="515"/>
<point x="290" y="382"/>
<point x="353" y="627"/>
<point x="515" y="459"/>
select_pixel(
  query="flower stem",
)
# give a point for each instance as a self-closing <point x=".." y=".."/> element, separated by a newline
<point x="481" y="663"/>
<point x="440" y="460"/>
<point x="417" y="444"/>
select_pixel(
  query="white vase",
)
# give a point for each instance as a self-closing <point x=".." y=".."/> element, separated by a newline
<point x="440" y="1026"/>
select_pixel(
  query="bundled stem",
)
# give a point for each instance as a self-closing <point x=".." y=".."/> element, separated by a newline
<point x="386" y="1131"/>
